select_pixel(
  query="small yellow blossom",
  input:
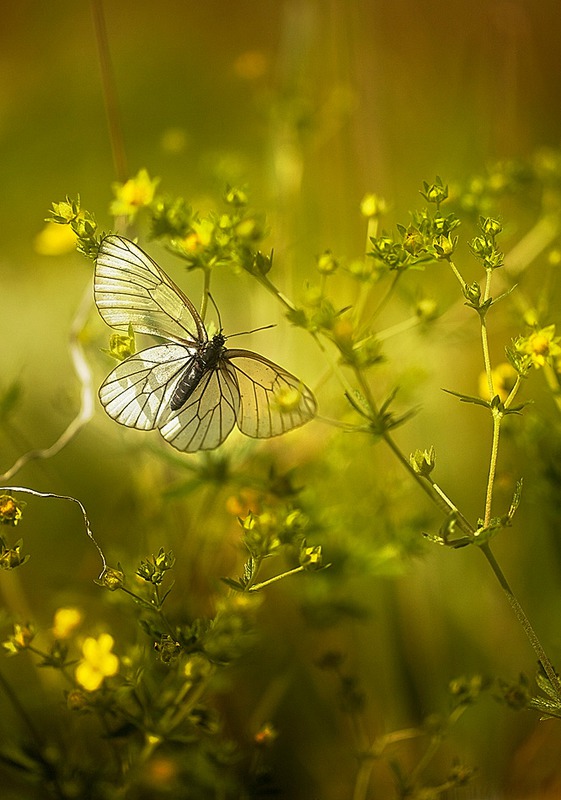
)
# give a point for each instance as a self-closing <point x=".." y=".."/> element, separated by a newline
<point x="554" y="257"/>
<point x="66" y="620"/>
<point x="55" y="240"/>
<point x="239" y="504"/>
<point x="98" y="662"/>
<point x="199" y="238"/>
<point x="161" y="771"/>
<point x="504" y="378"/>
<point x="10" y="510"/>
<point x="122" y="345"/>
<point x="76" y="700"/>
<point x="20" y="639"/>
<point x="133" y="195"/>
<point x="542" y="345"/>
<point x="266" y="735"/>
<point x="531" y="318"/>
<point x="287" y="399"/>
<point x="373" y="206"/>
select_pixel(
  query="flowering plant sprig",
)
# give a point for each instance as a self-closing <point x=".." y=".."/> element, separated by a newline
<point x="269" y="533"/>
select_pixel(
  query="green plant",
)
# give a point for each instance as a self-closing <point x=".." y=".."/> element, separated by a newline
<point x="158" y="705"/>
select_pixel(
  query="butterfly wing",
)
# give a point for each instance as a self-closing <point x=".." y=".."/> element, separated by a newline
<point x="240" y="387"/>
<point x="273" y="401"/>
<point x="208" y="415"/>
<point x="138" y="391"/>
<point x="130" y="287"/>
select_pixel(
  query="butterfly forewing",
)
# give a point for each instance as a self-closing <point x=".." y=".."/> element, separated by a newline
<point x="138" y="391"/>
<point x="130" y="288"/>
<point x="208" y="415"/>
<point x="273" y="401"/>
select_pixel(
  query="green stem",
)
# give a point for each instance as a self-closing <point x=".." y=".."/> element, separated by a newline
<point x="523" y="620"/>
<point x="457" y="273"/>
<point x="257" y="586"/>
<point x="267" y="284"/>
<point x="109" y="92"/>
<point x="56" y="787"/>
<point x="438" y="497"/>
<point x="386" y="298"/>
<point x="368" y="757"/>
<point x="497" y="419"/>
<point x="14" y="700"/>
<point x="487" y="357"/>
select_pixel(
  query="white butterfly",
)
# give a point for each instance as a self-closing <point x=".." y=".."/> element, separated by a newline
<point x="193" y="389"/>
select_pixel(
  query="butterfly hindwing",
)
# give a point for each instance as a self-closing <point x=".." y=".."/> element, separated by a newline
<point x="137" y="392"/>
<point x="208" y="416"/>
<point x="130" y="287"/>
<point x="273" y="401"/>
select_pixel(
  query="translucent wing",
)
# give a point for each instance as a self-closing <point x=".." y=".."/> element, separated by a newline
<point x="137" y="392"/>
<point x="209" y="414"/>
<point x="130" y="287"/>
<point x="273" y="400"/>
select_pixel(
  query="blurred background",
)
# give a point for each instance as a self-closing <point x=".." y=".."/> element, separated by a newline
<point x="311" y="104"/>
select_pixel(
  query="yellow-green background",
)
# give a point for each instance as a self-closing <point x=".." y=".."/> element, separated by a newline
<point x="311" y="104"/>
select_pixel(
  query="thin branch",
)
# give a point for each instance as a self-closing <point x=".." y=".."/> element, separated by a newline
<point x="83" y="372"/>
<point x="35" y="493"/>
<point x="109" y="92"/>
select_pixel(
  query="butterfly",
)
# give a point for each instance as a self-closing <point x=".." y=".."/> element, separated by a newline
<point x="193" y="388"/>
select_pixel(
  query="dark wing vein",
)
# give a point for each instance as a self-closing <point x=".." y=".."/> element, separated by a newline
<point x="130" y="287"/>
<point x="208" y="416"/>
<point x="273" y="401"/>
<point x="137" y="392"/>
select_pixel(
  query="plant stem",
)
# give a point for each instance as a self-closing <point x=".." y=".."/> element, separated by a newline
<point x="109" y="92"/>
<point x="257" y="586"/>
<point x="497" y="419"/>
<point x="457" y="273"/>
<point x="386" y="298"/>
<point x="523" y="620"/>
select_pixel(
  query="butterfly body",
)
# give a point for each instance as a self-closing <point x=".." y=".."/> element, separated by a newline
<point x="193" y="389"/>
<point x="206" y="359"/>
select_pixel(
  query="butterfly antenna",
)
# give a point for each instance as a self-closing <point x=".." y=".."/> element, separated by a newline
<point x="217" y="311"/>
<point x="253" y="330"/>
<point x="239" y="333"/>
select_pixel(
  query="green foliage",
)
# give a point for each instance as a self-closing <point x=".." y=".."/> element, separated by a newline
<point x="158" y="687"/>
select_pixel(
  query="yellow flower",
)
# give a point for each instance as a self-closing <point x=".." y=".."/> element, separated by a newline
<point x="541" y="345"/>
<point x="21" y="638"/>
<point x="287" y="399"/>
<point x="199" y="238"/>
<point x="133" y="195"/>
<point x="98" y="662"/>
<point x="55" y="240"/>
<point x="372" y="206"/>
<point x="10" y="510"/>
<point x="266" y="735"/>
<point x="504" y="378"/>
<point x="65" y="621"/>
<point x="122" y="345"/>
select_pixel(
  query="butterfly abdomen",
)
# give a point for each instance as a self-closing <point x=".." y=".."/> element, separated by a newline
<point x="204" y="361"/>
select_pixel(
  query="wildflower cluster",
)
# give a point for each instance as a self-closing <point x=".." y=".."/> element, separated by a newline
<point x="484" y="247"/>
<point x="81" y="222"/>
<point x="269" y="533"/>
<point x="538" y="348"/>
<point x="228" y="238"/>
<point x="158" y="698"/>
